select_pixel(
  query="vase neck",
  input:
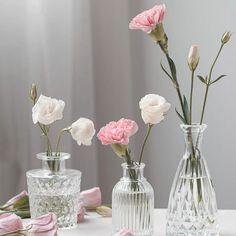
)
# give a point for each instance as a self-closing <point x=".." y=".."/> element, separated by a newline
<point x="193" y="135"/>
<point x="53" y="163"/>
<point x="134" y="170"/>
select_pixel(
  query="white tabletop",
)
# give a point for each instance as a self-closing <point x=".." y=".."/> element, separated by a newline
<point x="102" y="226"/>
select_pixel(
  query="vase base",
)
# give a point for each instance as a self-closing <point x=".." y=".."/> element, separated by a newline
<point x="192" y="234"/>
<point x="143" y="233"/>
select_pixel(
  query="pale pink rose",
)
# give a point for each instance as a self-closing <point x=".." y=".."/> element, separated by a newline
<point x="124" y="232"/>
<point x="10" y="223"/>
<point x="148" y="20"/>
<point x="91" y="197"/>
<point x="117" y="132"/>
<point x="153" y="108"/>
<point x="13" y="200"/>
<point x="81" y="213"/>
<point x="45" y="225"/>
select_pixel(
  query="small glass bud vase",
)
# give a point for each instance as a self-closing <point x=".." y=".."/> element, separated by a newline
<point x="54" y="189"/>
<point x="192" y="209"/>
<point x="133" y="202"/>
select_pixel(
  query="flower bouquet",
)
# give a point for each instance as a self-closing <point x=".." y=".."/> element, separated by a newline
<point x="132" y="196"/>
<point x="192" y="204"/>
<point x="55" y="188"/>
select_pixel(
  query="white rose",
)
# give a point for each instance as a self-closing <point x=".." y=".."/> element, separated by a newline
<point x="47" y="110"/>
<point x="153" y="107"/>
<point x="82" y="131"/>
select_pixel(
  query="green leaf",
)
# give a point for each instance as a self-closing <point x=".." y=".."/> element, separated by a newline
<point x="220" y="77"/>
<point x="186" y="110"/>
<point x="172" y="68"/>
<point x="202" y="79"/>
<point x="181" y="117"/>
<point x="166" y="72"/>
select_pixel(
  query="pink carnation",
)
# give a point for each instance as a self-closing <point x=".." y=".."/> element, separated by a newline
<point x="148" y="20"/>
<point x="117" y="132"/>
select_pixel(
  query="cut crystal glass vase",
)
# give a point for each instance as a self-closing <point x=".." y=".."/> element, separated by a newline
<point x="133" y="202"/>
<point x="54" y="189"/>
<point x="192" y="209"/>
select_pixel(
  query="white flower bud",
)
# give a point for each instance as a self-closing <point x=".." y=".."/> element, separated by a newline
<point x="193" y="57"/>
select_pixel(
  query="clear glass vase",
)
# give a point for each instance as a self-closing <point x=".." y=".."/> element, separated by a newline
<point x="133" y="202"/>
<point x="54" y="189"/>
<point x="192" y="209"/>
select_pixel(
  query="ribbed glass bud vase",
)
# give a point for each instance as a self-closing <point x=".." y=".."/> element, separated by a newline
<point x="192" y="209"/>
<point x="133" y="202"/>
<point x="54" y="189"/>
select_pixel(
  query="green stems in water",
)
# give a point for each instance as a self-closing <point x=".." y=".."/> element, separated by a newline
<point x="191" y="96"/>
<point x="145" y="141"/>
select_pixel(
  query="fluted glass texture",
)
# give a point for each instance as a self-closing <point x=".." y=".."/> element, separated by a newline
<point x="55" y="189"/>
<point x="192" y="209"/>
<point x="133" y="202"/>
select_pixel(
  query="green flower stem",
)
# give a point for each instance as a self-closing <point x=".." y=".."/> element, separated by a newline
<point x="59" y="140"/>
<point x="209" y="81"/>
<point x="191" y="96"/>
<point x="145" y="141"/>
<point x="45" y="132"/>
<point x="176" y="85"/>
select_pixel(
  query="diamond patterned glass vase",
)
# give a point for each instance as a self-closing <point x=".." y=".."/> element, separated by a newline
<point x="133" y="202"/>
<point x="192" y="209"/>
<point x="54" y="189"/>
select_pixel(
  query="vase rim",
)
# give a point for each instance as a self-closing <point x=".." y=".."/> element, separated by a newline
<point x="193" y="126"/>
<point x="43" y="156"/>
<point x="135" y="166"/>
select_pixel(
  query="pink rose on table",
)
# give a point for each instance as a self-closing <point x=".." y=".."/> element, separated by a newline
<point x="81" y="213"/>
<point x="45" y="225"/>
<point x="148" y="20"/>
<point x="10" y="223"/>
<point x="91" y="197"/>
<point x="15" y="199"/>
<point x="117" y="132"/>
<point x="124" y="232"/>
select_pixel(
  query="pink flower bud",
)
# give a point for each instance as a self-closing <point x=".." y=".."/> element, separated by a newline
<point x="10" y="223"/>
<point x="45" y="225"/>
<point x="16" y="199"/>
<point x="91" y="197"/>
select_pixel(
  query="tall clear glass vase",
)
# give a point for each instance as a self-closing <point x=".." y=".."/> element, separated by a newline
<point x="192" y="209"/>
<point x="54" y="189"/>
<point x="133" y="202"/>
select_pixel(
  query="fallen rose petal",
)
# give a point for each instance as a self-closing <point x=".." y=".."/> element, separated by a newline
<point x="45" y="225"/>
<point x="91" y="197"/>
<point x="81" y="213"/>
<point x="124" y="232"/>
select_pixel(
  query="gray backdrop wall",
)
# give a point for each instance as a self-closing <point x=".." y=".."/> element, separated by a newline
<point x="83" y="52"/>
